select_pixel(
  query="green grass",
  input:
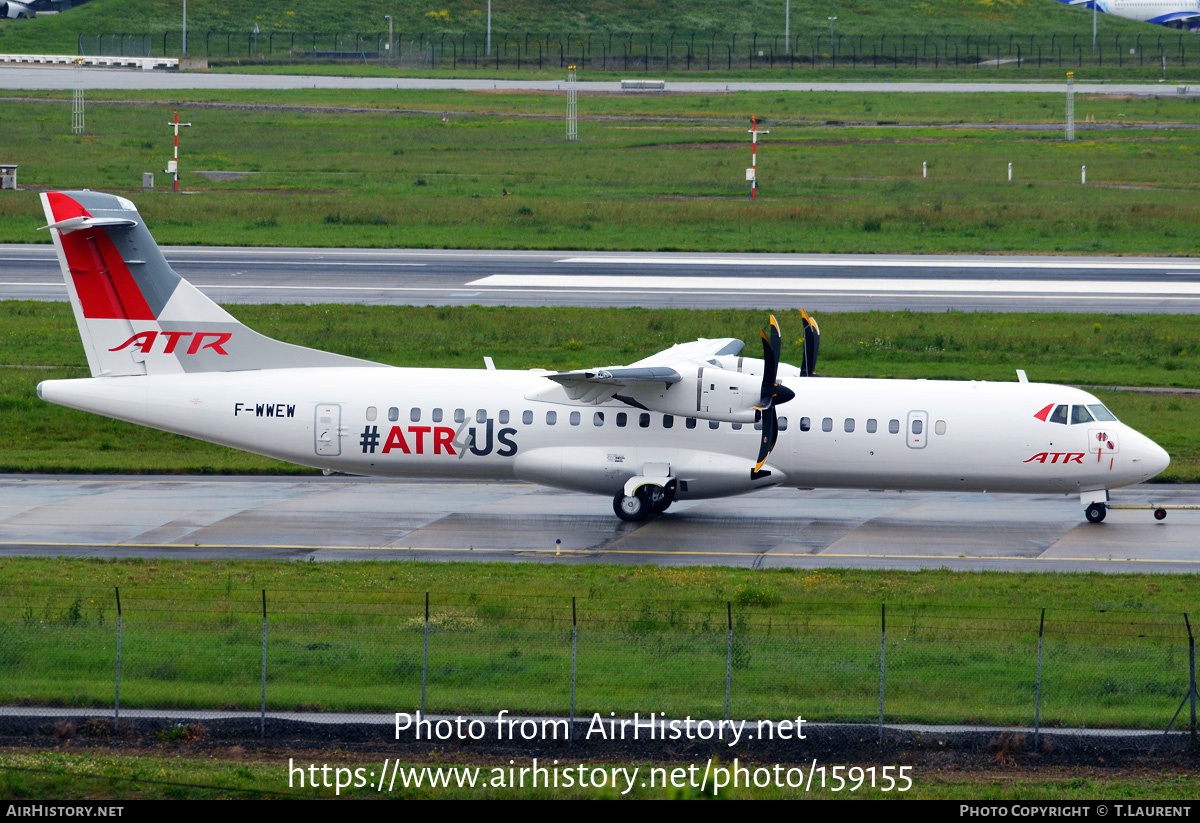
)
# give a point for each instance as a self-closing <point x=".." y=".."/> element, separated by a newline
<point x="101" y="775"/>
<point x="348" y="636"/>
<point x="40" y="342"/>
<point x="378" y="179"/>
<point x="58" y="33"/>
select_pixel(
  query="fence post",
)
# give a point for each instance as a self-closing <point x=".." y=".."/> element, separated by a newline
<point x="1037" y="711"/>
<point x="117" y="704"/>
<point x="728" y="656"/>
<point x="574" y="643"/>
<point x="882" y="662"/>
<point x="262" y="712"/>
<point x="425" y="662"/>
<point x="1191" y="674"/>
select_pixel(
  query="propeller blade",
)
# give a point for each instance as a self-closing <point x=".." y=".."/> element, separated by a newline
<point x="770" y="433"/>
<point x="772" y="348"/>
<point x="812" y="344"/>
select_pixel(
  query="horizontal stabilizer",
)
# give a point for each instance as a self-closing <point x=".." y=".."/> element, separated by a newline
<point x="76" y="223"/>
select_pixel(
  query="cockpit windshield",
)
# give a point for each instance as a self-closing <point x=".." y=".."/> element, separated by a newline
<point x="1099" y="412"/>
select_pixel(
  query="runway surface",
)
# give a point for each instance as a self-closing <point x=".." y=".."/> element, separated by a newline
<point x="659" y="280"/>
<point x="357" y="519"/>
<point x="16" y="76"/>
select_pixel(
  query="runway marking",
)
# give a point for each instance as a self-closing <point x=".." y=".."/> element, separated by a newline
<point x="1086" y="288"/>
<point x="893" y="263"/>
<point x="592" y="553"/>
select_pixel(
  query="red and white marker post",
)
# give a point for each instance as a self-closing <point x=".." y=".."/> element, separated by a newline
<point x="173" y="165"/>
<point x="752" y="172"/>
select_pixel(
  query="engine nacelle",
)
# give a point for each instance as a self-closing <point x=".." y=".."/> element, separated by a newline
<point x="13" y="10"/>
<point x="711" y="393"/>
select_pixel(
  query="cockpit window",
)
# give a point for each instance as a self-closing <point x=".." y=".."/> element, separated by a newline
<point x="1059" y="415"/>
<point x="1101" y="413"/>
<point x="1080" y="414"/>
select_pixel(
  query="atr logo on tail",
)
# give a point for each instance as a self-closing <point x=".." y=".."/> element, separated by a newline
<point x="144" y="341"/>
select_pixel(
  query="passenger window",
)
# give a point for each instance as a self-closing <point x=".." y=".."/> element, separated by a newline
<point x="459" y="415"/>
<point x="1059" y="415"/>
<point x="527" y="417"/>
<point x="574" y="418"/>
<point x="690" y="423"/>
<point x="622" y="419"/>
<point x="894" y="426"/>
<point x="1080" y="414"/>
<point x="437" y="415"/>
<point x="783" y="424"/>
<point x="737" y="427"/>
<point x="714" y="424"/>
<point x="372" y="413"/>
<point x="849" y="424"/>
<point x="481" y="416"/>
<point x="644" y="420"/>
<point x="872" y="425"/>
<point x="668" y="421"/>
<point x="551" y="418"/>
<point x="598" y="419"/>
<point x="415" y="415"/>
<point x="393" y="414"/>
<point x="827" y="424"/>
<point x="1098" y="411"/>
<point x="805" y="424"/>
<point x="939" y="427"/>
<point x="503" y="417"/>
<point x="918" y="427"/>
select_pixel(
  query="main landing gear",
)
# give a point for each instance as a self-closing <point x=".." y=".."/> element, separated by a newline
<point x="649" y="500"/>
<point x="1095" y="512"/>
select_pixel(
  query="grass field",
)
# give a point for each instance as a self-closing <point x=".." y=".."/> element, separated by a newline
<point x="348" y="636"/>
<point x="40" y="342"/>
<point x="500" y="177"/>
<point x="58" y="34"/>
<point x="99" y="774"/>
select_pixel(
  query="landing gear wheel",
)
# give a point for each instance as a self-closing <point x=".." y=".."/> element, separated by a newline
<point x="1095" y="512"/>
<point x="632" y="508"/>
<point x="1160" y="514"/>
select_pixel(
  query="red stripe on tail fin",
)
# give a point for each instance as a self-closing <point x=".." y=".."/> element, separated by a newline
<point x="105" y="286"/>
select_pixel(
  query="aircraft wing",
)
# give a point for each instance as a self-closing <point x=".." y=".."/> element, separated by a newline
<point x="701" y="349"/>
<point x="598" y="385"/>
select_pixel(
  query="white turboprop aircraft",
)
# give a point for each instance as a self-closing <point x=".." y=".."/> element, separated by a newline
<point x="1179" y="14"/>
<point x="694" y="421"/>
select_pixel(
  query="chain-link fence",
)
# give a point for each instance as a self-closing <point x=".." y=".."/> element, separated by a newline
<point x="318" y="650"/>
<point x="667" y="51"/>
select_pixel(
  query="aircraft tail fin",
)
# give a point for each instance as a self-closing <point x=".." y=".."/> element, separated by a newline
<point x="135" y="314"/>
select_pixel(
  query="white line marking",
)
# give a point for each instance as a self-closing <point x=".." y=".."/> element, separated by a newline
<point x="1087" y="288"/>
<point x="886" y="263"/>
<point x="315" y="262"/>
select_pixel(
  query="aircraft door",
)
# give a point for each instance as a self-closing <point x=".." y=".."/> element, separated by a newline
<point x="918" y="429"/>
<point x="327" y="430"/>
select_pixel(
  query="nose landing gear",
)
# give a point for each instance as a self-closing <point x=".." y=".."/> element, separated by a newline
<point x="1095" y="512"/>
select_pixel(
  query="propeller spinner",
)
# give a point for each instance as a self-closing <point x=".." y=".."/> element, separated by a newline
<point x="772" y="394"/>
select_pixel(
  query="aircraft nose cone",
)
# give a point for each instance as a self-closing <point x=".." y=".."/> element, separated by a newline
<point x="1157" y="459"/>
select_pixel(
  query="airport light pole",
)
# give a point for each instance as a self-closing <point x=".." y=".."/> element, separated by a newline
<point x="787" y="26"/>
<point x="173" y="165"/>
<point x="489" y="32"/>
<point x="391" y="48"/>
<point x="1093" y="26"/>
<point x="832" y="20"/>
<point x="185" y="28"/>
